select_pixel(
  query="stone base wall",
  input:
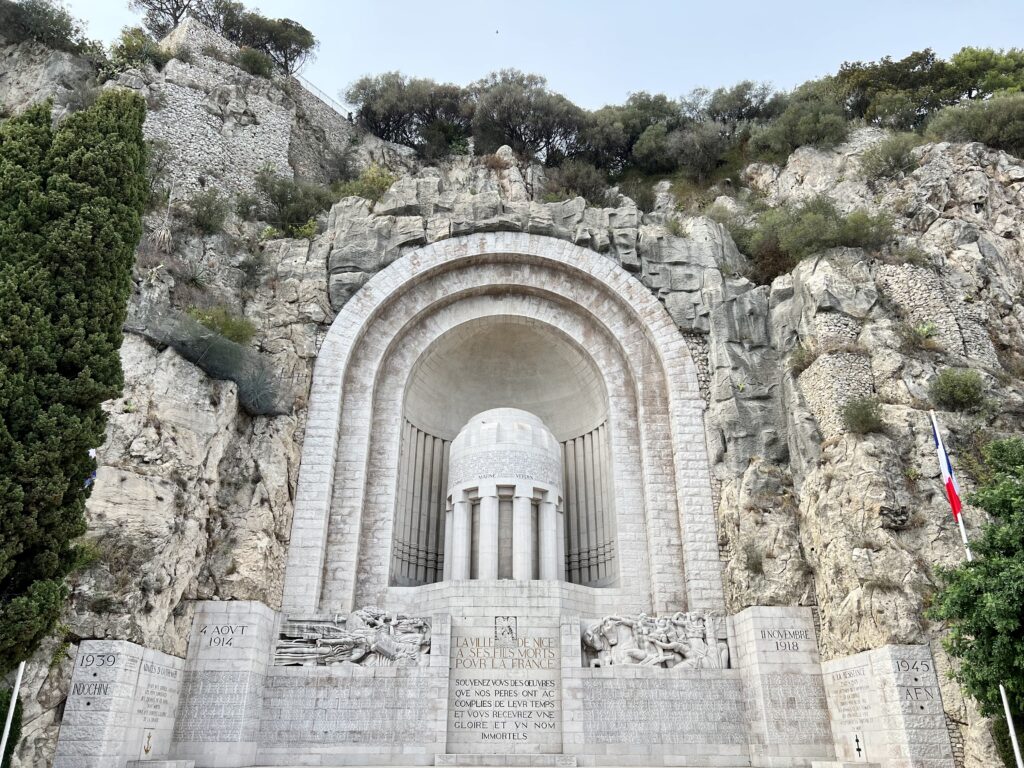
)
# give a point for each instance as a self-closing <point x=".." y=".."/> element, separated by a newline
<point x="506" y="684"/>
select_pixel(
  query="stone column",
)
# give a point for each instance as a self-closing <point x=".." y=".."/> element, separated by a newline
<point x="461" y="533"/>
<point x="487" y="555"/>
<point x="560" y="534"/>
<point x="548" y="523"/>
<point x="522" y="535"/>
<point x="449" y="514"/>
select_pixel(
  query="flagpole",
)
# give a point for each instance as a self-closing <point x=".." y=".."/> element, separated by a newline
<point x="10" y="711"/>
<point x="941" y="451"/>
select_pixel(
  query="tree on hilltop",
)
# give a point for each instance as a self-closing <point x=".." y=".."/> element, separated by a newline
<point x="161" y="16"/>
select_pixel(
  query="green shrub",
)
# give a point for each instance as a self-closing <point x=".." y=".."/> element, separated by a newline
<point x="997" y="123"/>
<point x="641" y="192"/>
<point x="160" y="158"/>
<point x="15" y="733"/>
<point x="371" y="184"/>
<point x="136" y="49"/>
<point x="254" y="62"/>
<point x="921" y="336"/>
<point x="575" y="178"/>
<point x="48" y="23"/>
<point x="781" y="236"/>
<point x="981" y="601"/>
<point x="801" y="357"/>
<point x="890" y="157"/>
<point x="816" y="121"/>
<point x="207" y="211"/>
<point x="225" y="322"/>
<point x="291" y="204"/>
<point x="862" y="415"/>
<point x="247" y="206"/>
<point x="307" y="230"/>
<point x="957" y="389"/>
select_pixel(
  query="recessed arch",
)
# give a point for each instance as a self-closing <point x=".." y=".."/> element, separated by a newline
<point x="337" y="462"/>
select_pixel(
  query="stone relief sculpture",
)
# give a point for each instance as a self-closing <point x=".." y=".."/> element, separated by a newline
<point x="368" y="637"/>
<point x="690" y="640"/>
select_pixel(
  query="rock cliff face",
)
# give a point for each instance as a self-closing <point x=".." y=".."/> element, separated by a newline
<point x="193" y="498"/>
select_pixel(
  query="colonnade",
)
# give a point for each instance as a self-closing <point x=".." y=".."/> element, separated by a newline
<point x="480" y="520"/>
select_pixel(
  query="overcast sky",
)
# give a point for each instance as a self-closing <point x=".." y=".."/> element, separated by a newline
<point x="596" y="52"/>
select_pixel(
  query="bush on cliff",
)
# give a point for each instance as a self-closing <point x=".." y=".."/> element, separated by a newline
<point x="998" y="123"/>
<point x="70" y="217"/>
<point x="813" y="118"/>
<point x="982" y="601"/>
<point x="135" y="48"/>
<point x="254" y="62"/>
<point x="957" y="389"/>
<point x="779" y="237"/>
<point x="291" y="204"/>
<point x="46" y="22"/>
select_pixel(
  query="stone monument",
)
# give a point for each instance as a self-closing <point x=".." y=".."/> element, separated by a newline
<point x="504" y="552"/>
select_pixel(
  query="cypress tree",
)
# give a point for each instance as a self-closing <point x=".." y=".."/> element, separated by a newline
<point x="71" y="201"/>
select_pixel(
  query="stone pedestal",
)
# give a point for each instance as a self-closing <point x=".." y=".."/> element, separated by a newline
<point x="777" y="650"/>
<point x="120" y="707"/>
<point x="886" y="705"/>
<point x="222" y="695"/>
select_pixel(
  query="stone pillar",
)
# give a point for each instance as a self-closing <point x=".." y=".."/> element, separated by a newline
<point x="229" y="654"/>
<point x="777" y="653"/>
<point x="560" y="533"/>
<point x="448" y="515"/>
<point x="548" y="522"/>
<point x="487" y="553"/>
<point x="461" y="538"/>
<point x="522" y="535"/>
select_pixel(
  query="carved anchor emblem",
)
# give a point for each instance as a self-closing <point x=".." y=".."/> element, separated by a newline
<point x="149" y="745"/>
<point x="856" y="742"/>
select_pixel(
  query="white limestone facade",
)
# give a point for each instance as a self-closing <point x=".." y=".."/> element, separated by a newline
<point x="504" y="552"/>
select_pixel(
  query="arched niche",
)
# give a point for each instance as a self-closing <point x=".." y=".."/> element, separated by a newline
<point x="339" y="555"/>
<point x="509" y="360"/>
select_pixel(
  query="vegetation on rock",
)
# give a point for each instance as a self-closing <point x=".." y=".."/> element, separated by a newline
<point x="70" y="218"/>
<point x="370" y="184"/>
<point x="890" y="157"/>
<point x="998" y="122"/>
<point x="254" y="62"/>
<point x="710" y="134"/>
<point x="779" y="237"/>
<point x="135" y="48"/>
<point x="982" y="601"/>
<point x="225" y="322"/>
<point x="48" y="23"/>
<point x="863" y="415"/>
<point x="957" y="389"/>
<point x="291" y="204"/>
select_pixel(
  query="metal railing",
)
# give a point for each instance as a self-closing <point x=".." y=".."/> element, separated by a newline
<point x="342" y="109"/>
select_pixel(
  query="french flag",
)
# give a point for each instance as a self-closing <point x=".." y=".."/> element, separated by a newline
<point x="948" y="479"/>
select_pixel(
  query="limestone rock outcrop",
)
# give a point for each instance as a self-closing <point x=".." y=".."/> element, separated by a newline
<point x="193" y="498"/>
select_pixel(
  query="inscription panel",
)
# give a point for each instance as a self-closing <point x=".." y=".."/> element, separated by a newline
<point x="219" y="707"/>
<point x="359" y="709"/>
<point x="795" y="709"/>
<point x="650" y="711"/>
<point x="504" y="688"/>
